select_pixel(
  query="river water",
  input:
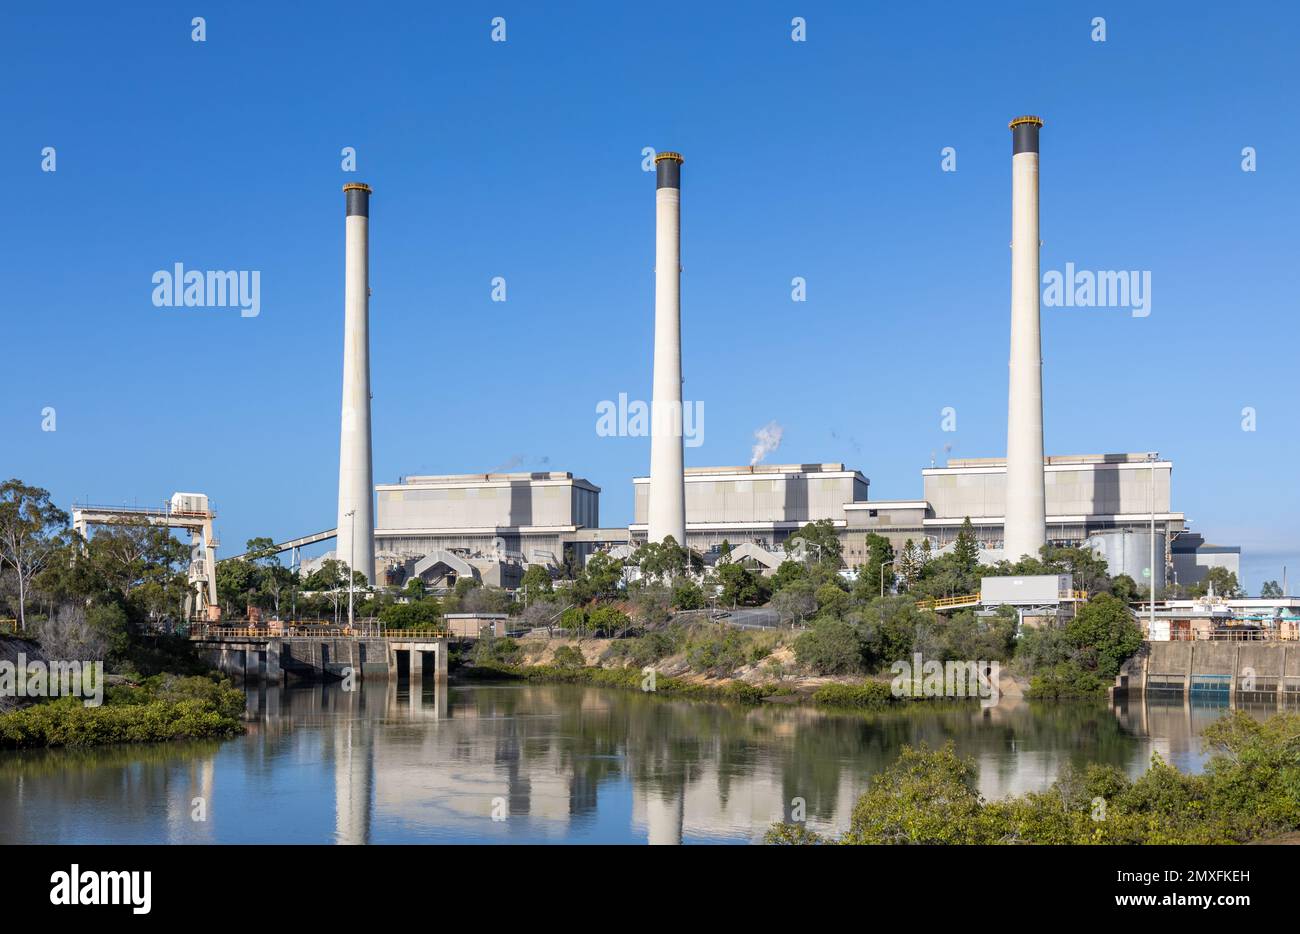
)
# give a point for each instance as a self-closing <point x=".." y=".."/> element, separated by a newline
<point x="498" y="763"/>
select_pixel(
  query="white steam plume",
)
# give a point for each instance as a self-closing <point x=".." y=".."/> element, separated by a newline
<point x="766" y="440"/>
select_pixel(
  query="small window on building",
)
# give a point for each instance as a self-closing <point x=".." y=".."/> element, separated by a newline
<point x="872" y="513"/>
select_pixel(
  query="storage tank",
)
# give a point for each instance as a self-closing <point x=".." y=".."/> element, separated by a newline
<point x="1128" y="551"/>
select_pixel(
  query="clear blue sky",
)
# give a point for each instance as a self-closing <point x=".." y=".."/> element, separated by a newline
<point x="522" y="159"/>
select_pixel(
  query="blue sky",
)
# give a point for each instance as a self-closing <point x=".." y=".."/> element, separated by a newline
<point x="522" y="159"/>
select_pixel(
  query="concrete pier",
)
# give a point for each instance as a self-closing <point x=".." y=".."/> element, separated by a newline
<point x="273" y="659"/>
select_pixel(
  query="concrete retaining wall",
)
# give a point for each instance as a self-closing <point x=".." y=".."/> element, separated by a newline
<point x="1232" y="667"/>
<point x="323" y="659"/>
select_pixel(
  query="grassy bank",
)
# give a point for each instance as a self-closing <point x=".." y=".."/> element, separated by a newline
<point x="164" y="707"/>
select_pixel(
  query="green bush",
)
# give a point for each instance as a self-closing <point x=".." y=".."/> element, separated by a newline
<point x="830" y="647"/>
<point x="164" y="707"/>
<point x="493" y="651"/>
<point x="651" y="647"/>
<point x="717" y="652"/>
<point x="568" y="656"/>
<point x="1066" y="679"/>
<point x="871" y="695"/>
<point x="832" y="600"/>
<point x="417" y="614"/>
<point x="687" y="595"/>
<point x="1250" y="791"/>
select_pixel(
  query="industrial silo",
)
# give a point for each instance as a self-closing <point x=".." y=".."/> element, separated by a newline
<point x="1128" y="551"/>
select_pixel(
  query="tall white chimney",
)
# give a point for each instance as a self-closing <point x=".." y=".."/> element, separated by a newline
<point x="356" y="486"/>
<point x="1026" y="514"/>
<point x="667" y="506"/>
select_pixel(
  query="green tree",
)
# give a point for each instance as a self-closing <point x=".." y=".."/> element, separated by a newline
<point x="32" y="532"/>
<point x="688" y="595"/>
<point x="574" y="620"/>
<point x="795" y="602"/>
<point x="877" y="570"/>
<point x="741" y="586"/>
<point x="601" y="579"/>
<point x="568" y="656"/>
<point x="1222" y="580"/>
<point x="464" y="585"/>
<point x="331" y="580"/>
<point x="1104" y="631"/>
<point x="889" y="628"/>
<point x="787" y="573"/>
<point x="610" y="621"/>
<point x="137" y="564"/>
<point x="907" y="566"/>
<point x="1271" y="590"/>
<point x="261" y="550"/>
<point x="821" y="543"/>
<point x="237" y="581"/>
<point x="967" y="549"/>
<point x="924" y="555"/>
<point x="832" y="600"/>
<point x="1125" y="588"/>
<point x="419" y="614"/>
<point x="415" y="588"/>
<point x="662" y="561"/>
<point x="536" y="583"/>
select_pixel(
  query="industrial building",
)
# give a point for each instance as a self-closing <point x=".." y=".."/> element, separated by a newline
<point x="763" y="504"/>
<point x="1103" y="500"/>
<point x="491" y="526"/>
<point x="498" y="523"/>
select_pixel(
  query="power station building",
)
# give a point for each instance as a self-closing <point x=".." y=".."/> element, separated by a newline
<point x="521" y="518"/>
<point x="1084" y="494"/>
<point x="763" y="504"/>
<point x="493" y="525"/>
<point x="1105" y="501"/>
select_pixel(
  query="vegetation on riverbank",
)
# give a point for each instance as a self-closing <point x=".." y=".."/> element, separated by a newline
<point x="1249" y="791"/>
<point x="870" y="695"/>
<point x="629" y="678"/>
<point x="163" y="707"/>
<point x="855" y="630"/>
<point x="112" y="598"/>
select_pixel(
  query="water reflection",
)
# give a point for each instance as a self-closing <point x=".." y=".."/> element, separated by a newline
<point x="538" y="763"/>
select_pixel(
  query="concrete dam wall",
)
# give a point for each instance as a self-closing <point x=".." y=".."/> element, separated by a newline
<point x="1257" y="669"/>
<point x="274" y="660"/>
